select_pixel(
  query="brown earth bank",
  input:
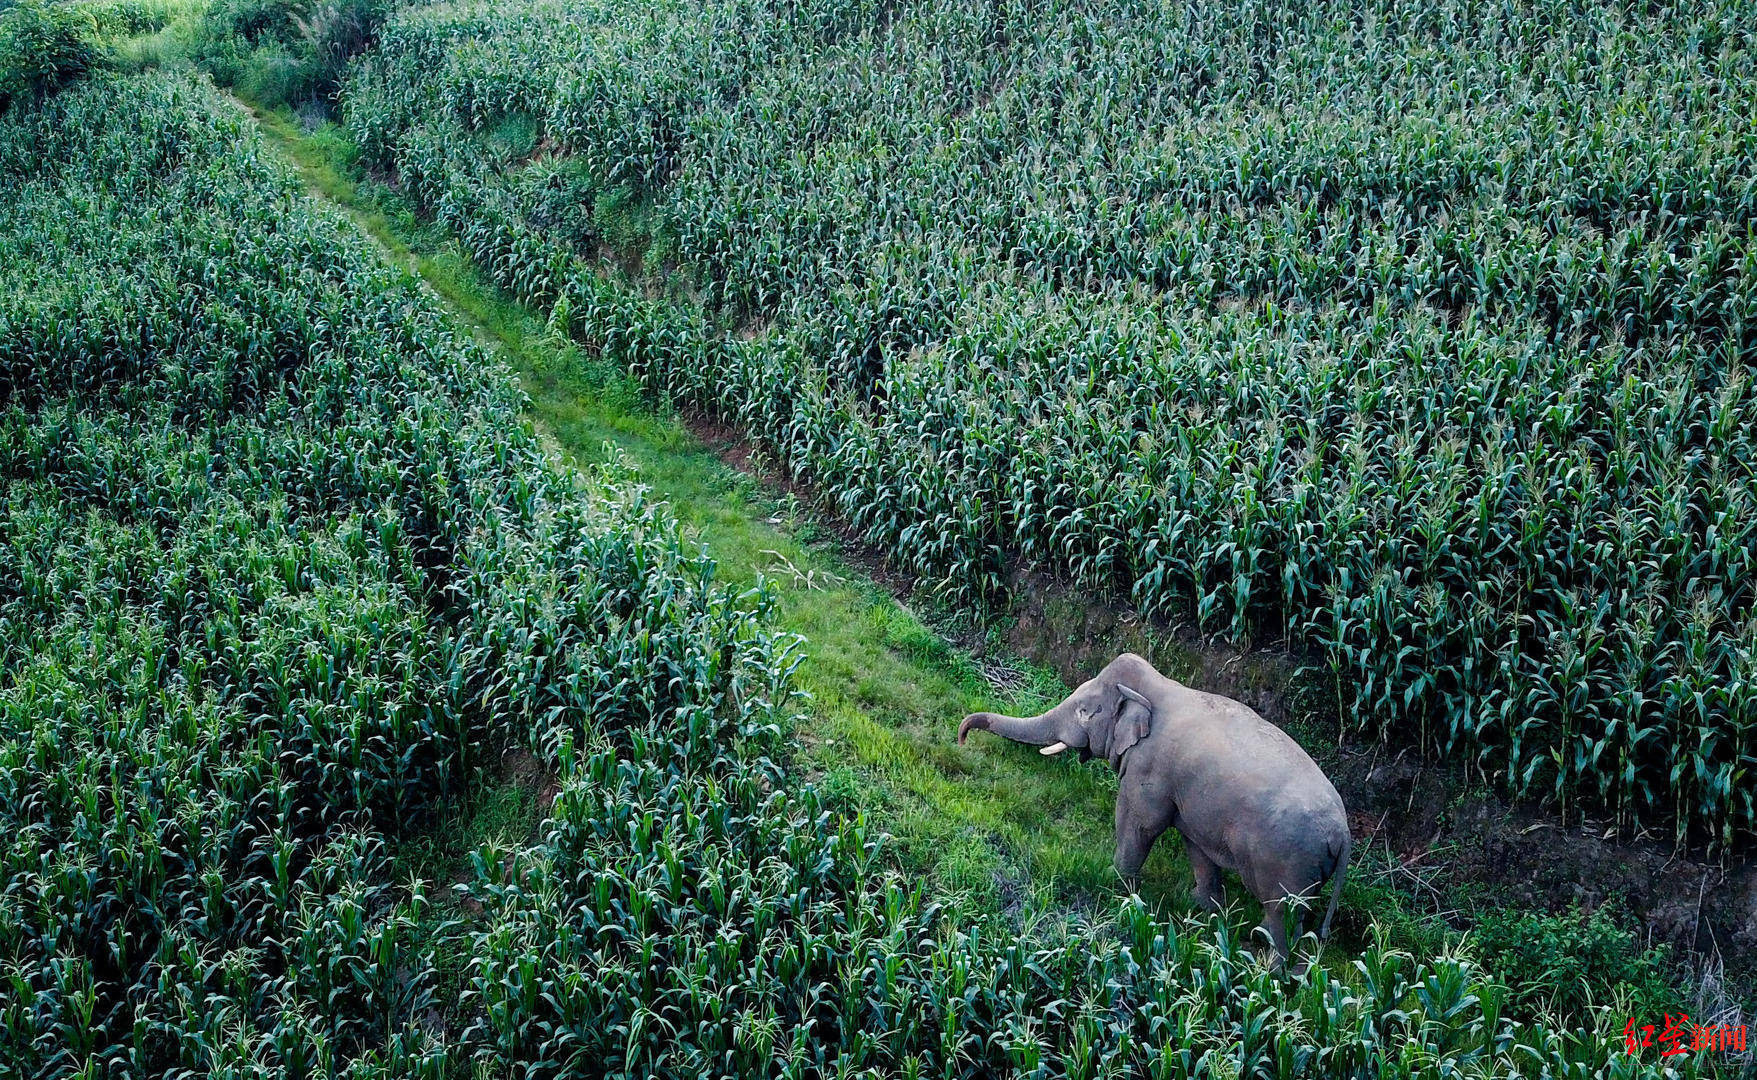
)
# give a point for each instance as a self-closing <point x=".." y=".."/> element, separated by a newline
<point x="1444" y="831"/>
<point x="1424" y="814"/>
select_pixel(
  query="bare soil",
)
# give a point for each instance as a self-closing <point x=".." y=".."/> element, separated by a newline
<point x="521" y="767"/>
<point x="1425" y="814"/>
<point x="524" y="769"/>
<point x="1451" y="831"/>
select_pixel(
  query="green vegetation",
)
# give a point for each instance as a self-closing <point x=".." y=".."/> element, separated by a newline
<point x="290" y="572"/>
<point x="284" y="566"/>
<point x="43" y="47"/>
<point x="885" y="691"/>
<point x="1566" y="963"/>
<point x="282" y="52"/>
<point x="286" y="52"/>
<point x="1419" y="333"/>
<point x="883" y="686"/>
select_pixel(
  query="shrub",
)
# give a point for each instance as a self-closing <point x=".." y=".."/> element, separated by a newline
<point x="254" y="21"/>
<point x="332" y="33"/>
<point x="1562" y="965"/>
<point x="287" y="52"/>
<point x="115" y="18"/>
<point x="43" y="46"/>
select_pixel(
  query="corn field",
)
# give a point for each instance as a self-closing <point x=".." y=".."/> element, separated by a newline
<point x="1419" y="334"/>
<point x="281" y="567"/>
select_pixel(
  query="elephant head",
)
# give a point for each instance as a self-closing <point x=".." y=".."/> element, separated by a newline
<point x="1103" y="717"/>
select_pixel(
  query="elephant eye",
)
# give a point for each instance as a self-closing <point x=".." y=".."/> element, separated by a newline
<point x="1083" y="715"/>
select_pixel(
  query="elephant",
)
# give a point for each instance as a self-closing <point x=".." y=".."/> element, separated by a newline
<point x="1243" y="794"/>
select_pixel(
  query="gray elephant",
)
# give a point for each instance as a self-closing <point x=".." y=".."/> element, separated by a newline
<point x="1245" y="796"/>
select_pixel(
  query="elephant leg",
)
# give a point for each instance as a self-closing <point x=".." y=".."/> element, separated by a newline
<point x="1275" y="922"/>
<point x="1135" y="833"/>
<point x="1132" y="847"/>
<point x="1296" y="915"/>
<point x="1210" y="890"/>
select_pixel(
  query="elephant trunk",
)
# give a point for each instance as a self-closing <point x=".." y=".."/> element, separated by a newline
<point x="1038" y="730"/>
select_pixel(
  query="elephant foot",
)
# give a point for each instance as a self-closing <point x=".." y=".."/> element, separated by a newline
<point x="1267" y="957"/>
<point x="1285" y="966"/>
<point x="1274" y="928"/>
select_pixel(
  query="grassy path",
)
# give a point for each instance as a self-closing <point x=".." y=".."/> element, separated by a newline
<point x="886" y="692"/>
<point x="984" y="825"/>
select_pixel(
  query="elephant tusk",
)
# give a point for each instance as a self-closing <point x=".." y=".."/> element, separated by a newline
<point x="1053" y="749"/>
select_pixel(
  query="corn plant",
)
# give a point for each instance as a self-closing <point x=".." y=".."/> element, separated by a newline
<point x="281" y="567"/>
<point x="1417" y="335"/>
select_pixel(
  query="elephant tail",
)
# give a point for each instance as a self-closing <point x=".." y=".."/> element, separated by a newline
<point x="1337" y="876"/>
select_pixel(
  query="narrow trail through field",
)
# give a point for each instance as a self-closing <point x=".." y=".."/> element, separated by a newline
<point x="991" y="827"/>
<point x="886" y="692"/>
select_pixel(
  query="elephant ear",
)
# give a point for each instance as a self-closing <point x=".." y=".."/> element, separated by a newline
<point x="1134" y="718"/>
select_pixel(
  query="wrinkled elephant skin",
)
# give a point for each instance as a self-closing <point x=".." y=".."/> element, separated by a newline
<point x="1245" y="796"/>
